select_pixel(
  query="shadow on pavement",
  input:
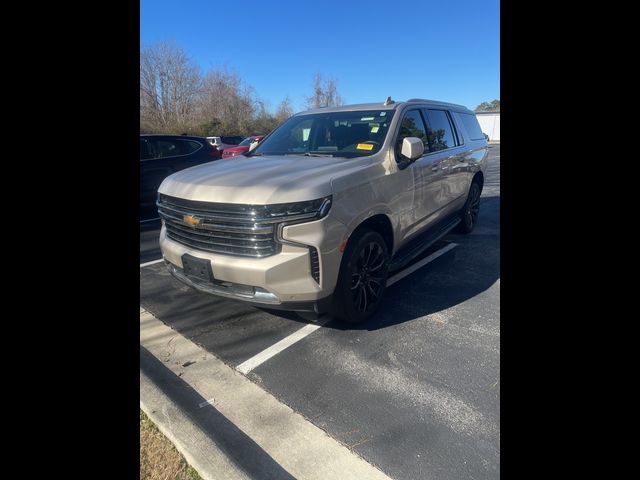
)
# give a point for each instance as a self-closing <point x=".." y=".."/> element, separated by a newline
<point x="239" y="448"/>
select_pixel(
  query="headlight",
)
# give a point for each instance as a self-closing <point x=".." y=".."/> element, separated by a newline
<point x="293" y="212"/>
<point x="298" y="212"/>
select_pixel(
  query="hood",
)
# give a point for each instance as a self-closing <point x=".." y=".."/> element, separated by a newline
<point x="259" y="180"/>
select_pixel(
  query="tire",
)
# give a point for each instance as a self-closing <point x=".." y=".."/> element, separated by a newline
<point x="471" y="210"/>
<point x="363" y="277"/>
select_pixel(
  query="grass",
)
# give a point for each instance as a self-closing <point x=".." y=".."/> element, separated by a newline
<point x="159" y="459"/>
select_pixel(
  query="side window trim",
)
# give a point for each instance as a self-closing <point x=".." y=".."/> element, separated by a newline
<point x="454" y="127"/>
<point x="460" y="128"/>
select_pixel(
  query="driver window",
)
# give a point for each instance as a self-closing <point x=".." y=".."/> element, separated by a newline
<point x="412" y="126"/>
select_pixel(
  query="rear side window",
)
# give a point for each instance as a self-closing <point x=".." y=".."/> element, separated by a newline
<point x="190" y="146"/>
<point x="166" y="148"/>
<point x="412" y="126"/>
<point x="440" y="131"/>
<point x="472" y="126"/>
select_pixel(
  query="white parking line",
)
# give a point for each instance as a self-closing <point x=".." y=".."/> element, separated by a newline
<point x="150" y="220"/>
<point x="399" y="276"/>
<point x="151" y="262"/>
<point x="276" y="348"/>
<point x="258" y="359"/>
<point x="273" y="427"/>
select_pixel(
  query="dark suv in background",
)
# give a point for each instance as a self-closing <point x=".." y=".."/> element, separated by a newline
<point x="162" y="155"/>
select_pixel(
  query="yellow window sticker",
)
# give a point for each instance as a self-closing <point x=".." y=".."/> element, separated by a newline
<point x="364" y="146"/>
<point x="374" y="129"/>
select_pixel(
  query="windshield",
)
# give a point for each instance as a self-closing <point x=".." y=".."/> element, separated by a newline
<point x="333" y="134"/>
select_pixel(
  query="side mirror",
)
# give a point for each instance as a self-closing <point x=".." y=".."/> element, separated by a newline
<point x="412" y="148"/>
<point x="486" y="137"/>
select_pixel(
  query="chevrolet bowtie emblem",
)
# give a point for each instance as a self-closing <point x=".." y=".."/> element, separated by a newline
<point x="191" y="220"/>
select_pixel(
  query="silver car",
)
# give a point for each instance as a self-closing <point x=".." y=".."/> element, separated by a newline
<point x="316" y="216"/>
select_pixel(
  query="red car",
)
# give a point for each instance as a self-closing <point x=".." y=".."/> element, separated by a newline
<point x="242" y="148"/>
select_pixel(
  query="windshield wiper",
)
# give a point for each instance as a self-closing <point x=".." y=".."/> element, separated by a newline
<point x="308" y="154"/>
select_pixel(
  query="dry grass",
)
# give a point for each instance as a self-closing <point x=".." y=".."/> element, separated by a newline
<point x="159" y="460"/>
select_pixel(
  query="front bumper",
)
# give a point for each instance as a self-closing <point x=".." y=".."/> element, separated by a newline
<point x="254" y="296"/>
<point x="281" y="281"/>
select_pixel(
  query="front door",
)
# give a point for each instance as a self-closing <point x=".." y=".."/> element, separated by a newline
<point x="427" y="174"/>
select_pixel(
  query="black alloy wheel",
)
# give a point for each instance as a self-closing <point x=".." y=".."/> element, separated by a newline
<point x="471" y="209"/>
<point x="363" y="277"/>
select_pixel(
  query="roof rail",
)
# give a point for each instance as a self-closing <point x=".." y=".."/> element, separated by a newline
<point x="435" y="102"/>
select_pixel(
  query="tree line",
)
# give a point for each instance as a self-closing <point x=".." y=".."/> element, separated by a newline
<point x="176" y="97"/>
<point x="492" y="106"/>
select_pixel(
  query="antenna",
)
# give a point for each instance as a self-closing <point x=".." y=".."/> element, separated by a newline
<point x="388" y="101"/>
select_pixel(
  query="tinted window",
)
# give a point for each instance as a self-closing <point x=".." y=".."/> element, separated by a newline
<point x="472" y="126"/>
<point x="166" y="148"/>
<point x="190" y="146"/>
<point x="412" y="126"/>
<point x="440" y="131"/>
<point x="145" y="151"/>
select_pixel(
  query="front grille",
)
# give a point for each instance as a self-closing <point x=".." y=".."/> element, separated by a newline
<point x="232" y="229"/>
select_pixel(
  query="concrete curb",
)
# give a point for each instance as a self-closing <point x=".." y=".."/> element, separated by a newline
<point x="203" y="455"/>
<point x="239" y="430"/>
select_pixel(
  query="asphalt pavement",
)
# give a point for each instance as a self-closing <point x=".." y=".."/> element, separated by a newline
<point x="414" y="391"/>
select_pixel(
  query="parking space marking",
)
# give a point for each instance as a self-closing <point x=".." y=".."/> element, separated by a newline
<point x="151" y="262"/>
<point x="420" y="264"/>
<point x="261" y="357"/>
<point x="211" y="401"/>
<point x="276" y="348"/>
<point x="150" y="220"/>
<point x="243" y="416"/>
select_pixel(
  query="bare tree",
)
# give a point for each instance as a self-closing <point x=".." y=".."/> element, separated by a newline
<point x="169" y="87"/>
<point x="226" y="105"/>
<point x="176" y="98"/>
<point x="331" y="95"/>
<point x="324" y="95"/>
<point x="284" y="110"/>
<point x="317" y="98"/>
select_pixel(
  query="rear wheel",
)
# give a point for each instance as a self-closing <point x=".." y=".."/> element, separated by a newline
<point x="471" y="210"/>
<point x="363" y="277"/>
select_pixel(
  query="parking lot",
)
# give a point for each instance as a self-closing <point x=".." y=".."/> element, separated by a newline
<point x="415" y="390"/>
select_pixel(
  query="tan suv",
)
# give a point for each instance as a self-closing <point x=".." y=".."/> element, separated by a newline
<point x="315" y="218"/>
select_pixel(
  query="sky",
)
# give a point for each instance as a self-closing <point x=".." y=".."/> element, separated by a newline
<point x="439" y="50"/>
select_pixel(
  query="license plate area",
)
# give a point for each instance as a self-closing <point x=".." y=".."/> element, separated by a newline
<point x="197" y="268"/>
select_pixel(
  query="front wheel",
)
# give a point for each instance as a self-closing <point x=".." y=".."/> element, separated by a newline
<point x="363" y="277"/>
<point x="471" y="210"/>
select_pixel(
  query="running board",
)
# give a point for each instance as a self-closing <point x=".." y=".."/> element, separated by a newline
<point x="417" y="246"/>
